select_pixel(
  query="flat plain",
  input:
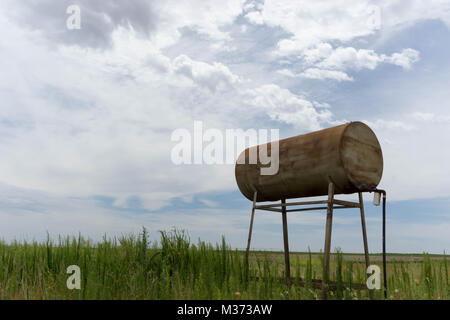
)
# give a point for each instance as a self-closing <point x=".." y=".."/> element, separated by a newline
<point x="132" y="267"/>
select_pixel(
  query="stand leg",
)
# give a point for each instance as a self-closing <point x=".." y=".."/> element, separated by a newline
<point x="286" y="242"/>
<point x="251" y="226"/>
<point x="326" y="267"/>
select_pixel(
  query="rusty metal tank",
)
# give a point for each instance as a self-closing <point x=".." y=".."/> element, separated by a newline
<point x="348" y="155"/>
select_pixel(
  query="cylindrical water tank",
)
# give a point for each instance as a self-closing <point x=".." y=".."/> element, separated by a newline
<point x="348" y="155"/>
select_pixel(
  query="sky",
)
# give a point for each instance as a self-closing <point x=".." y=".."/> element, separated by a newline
<point x="87" y="114"/>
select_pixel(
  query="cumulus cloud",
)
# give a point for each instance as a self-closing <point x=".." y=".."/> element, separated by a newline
<point x="99" y="122"/>
<point x="160" y="21"/>
<point x="319" y="74"/>
<point x="317" y="31"/>
<point x="315" y="73"/>
<point x="329" y="63"/>
<point x="350" y="58"/>
<point x="285" y="106"/>
<point x="94" y="124"/>
<point x="98" y="19"/>
<point x="255" y="17"/>
<point x="416" y="10"/>
<point x="404" y="59"/>
<point x="317" y="53"/>
<point x="311" y="23"/>
<point x="212" y="76"/>
<point x="88" y="114"/>
<point x="204" y="17"/>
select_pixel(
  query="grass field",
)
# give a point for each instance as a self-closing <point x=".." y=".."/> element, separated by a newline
<point x="174" y="268"/>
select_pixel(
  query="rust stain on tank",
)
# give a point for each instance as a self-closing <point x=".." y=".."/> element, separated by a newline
<point x="349" y="155"/>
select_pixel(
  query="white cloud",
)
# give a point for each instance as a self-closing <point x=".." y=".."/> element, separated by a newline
<point x="329" y="63"/>
<point x="287" y="47"/>
<point x="424" y="116"/>
<point x="212" y="76"/>
<point x="401" y="14"/>
<point x="209" y="203"/>
<point x="99" y="122"/>
<point x="404" y="59"/>
<point x="317" y="53"/>
<point x="94" y="123"/>
<point x="381" y="124"/>
<point x="415" y="156"/>
<point x="316" y="73"/>
<point x="161" y="21"/>
<point x="350" y="58"/>
<point x="287" y="72"/>
<point x="429" y="117"/>
<point x="313" y="26"/>
<point x="205" y="17"/>
<point x="255" y="17"/>
<point x="283" y="105"/>
<point x="321" y="105"/>
<point x="78" y="122"/>
<point x="30" y="213"/>
<point x="314" y="22"/>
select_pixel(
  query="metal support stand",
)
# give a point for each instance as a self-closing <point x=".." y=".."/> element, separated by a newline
<point x="331" y="204"/>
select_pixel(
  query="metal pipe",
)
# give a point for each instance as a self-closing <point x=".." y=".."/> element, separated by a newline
<point x="384" y="245"/>
<point x="363" y="227"/>
<point x="383" y="192"/>
<point x="291" y="204"/>
<point x="318" y="208"/>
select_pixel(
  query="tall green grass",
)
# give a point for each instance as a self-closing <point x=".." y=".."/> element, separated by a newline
<point x="132" y="267"/>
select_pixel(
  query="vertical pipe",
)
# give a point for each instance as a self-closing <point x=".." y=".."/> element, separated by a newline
<point x="384" y="246"/>
<point x="286" y="241"/>
<point x="251" y="226"/>
<point x="326" y="265"/>
<point x="364" y="232"/>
